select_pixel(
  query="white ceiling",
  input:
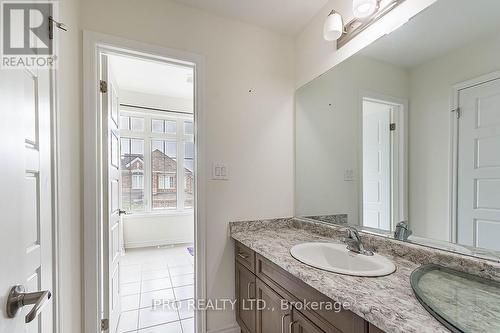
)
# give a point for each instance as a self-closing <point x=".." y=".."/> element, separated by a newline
<point x="440" y="29"/>
<point x="284" y="16"/>
<point x="152" y="77"/>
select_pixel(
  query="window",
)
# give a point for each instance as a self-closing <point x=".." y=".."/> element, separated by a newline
<point x="188" y="127"/>
<point x="137" y="182"/>
<point x="157" y="153"/>
<point x="135" y="124"/>
<point x="163" y="126"/>
<point x="164" y="161"/>
<point x="132" y="171"/>
<point x="166" y="182"/>
<point x="188" y="173"/>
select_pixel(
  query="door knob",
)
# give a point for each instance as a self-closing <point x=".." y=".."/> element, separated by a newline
<point x="122" y="212"/>
<point x="19" y="298"/>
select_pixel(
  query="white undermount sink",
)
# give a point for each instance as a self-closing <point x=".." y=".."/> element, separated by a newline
<point x="336" y="258"/>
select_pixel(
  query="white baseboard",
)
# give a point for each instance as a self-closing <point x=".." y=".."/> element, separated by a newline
<point x="234" y="328"/>
<point x="161" y="242"/>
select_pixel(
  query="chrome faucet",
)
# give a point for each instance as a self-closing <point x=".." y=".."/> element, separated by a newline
<point x="402" y="231"/>
<point x="354" y="244"/>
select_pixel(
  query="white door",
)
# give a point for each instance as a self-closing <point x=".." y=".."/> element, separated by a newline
<point x="25" y="197"/>
<point x="111" y="181"/>
<point x="376" y="165"/>
<point x="478" y="215"/>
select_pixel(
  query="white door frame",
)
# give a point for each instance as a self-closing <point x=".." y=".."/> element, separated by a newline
<point x="453" y="164"/>
<point x="57" y="235"/>
<point x="400" y="193"/>
<point x="93" y="45"/>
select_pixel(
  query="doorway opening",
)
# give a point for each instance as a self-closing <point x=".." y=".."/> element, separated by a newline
<point x="149" y="149"/>
<point x="150" y="200"/>
<point x="383" y="163"/>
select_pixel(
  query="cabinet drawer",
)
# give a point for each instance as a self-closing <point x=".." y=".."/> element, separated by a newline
<point x="295" y="290"/>
<point x="245" y="256"/>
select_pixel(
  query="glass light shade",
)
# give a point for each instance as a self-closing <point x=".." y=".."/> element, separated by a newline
<point x="333" y="27"/>
<point x="364" y="8"/>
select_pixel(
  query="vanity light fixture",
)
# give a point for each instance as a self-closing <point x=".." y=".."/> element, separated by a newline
<point x="366" y="13"/>
<point x="334" y="27"/>
<point x="364" y="8"/>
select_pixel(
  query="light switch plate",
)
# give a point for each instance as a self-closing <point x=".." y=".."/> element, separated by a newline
<point x="220" y="171"/>
<point x="349" y="175"/>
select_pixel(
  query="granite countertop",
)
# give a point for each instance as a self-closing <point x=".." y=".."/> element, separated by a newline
<point x="387" y="302"/>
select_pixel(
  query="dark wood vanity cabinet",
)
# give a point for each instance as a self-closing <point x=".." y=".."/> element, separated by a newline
<point x="300" y="324"/>
<point x="272" y="318"/>
<point x="245" y="299"/>
<point x="259" y="282"/>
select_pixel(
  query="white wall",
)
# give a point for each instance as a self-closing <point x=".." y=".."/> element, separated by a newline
<point x="314" y="56"/>
<point x="429" y="132"/>
<point x="328" y="138"/>
<point x="156" y="101"/>
<point x="251" y="132"/>
<point x="157" y="229"/>
<point x="70" y="171"/>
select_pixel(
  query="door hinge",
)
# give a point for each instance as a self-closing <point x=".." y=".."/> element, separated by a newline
<point x="392" y="126"/>
<point x="103" y="86"/>
<point x="59" y="25"/>
<point x="104" y="324"/>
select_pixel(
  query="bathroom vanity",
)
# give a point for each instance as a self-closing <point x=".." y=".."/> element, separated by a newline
<point x="265" y="270"/>
<point x="257" y="278"/>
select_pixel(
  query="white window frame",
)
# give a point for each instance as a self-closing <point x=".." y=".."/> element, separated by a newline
<point x="148" y="136"/>
<point x="141" y="182"/>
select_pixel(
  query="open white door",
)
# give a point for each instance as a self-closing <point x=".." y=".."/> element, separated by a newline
<point x="376" y="165"/>
<point x="111" y="210"/>
<point x="478" y="215"/>
<point x="26" y="200"/>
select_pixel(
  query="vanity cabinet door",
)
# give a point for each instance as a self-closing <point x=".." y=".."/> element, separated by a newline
<point x="272" y="315"/>
<point x="300" y="324"/>
<point x="245" y="299"/>
<point x="375" y="329"/>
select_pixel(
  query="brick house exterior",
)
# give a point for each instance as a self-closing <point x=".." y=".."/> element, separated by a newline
<point x="164" y="181"/>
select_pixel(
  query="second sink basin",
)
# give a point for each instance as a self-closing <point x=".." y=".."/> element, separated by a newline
<point x="336" y="258"/>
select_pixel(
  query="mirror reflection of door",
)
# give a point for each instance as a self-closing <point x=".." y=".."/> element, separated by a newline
<point x="376" y="165"/>
<point x="478" y="199"/>
<point x="382" y="200"/>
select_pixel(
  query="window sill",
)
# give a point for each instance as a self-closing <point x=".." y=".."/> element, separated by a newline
<point x="164" y="213"/>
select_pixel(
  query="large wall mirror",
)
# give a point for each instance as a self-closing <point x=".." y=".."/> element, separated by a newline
<point x="408" y="129"/>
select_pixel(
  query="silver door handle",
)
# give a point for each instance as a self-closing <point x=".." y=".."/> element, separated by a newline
<point x="283" y="322"/>
<point x="19" y="298"/>
<point x="242" y="255"/>
<point x="248" y="289"/>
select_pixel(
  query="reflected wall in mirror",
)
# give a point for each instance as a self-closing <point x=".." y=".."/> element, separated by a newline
<point x="408" y="129"/>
